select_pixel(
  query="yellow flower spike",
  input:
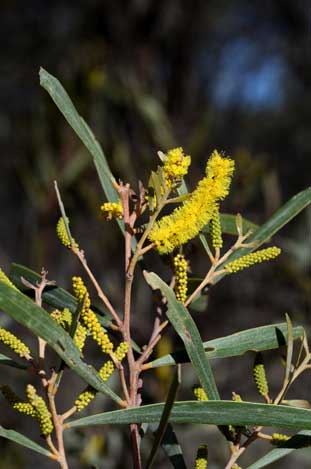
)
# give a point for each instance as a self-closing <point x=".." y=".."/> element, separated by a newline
<point x="63" y="235"/>
<point x="106" y="370"/>
<point x="14" y="344"/>
<point x="85" y="398"/>
<point x="111" y="210"/>
<point x="80" y="336"/>
<point x="175" y="166"/>
<point x="201" y="459"/>
<point x="181" y="278"/>
<point x="236" y="466"/>
<point x="5" y="279"/>
<point x="215" y="229"/>
<point x="199" y="393"/>
<point x="88" y="316"/>
<point x="16" y="403"/>
<point x="259" y="374"/>
<point x="186" y="221"/>
<point x="63" y="318"/>
<point x="43" y="415"/>
<point x="252" y="258"/>
<point x="279" y="438"/>
<point x="121" y="351"/>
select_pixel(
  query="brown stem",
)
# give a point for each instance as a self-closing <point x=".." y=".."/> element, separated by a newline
<point x="58" y="424"/>
<point x="99" y="291"/>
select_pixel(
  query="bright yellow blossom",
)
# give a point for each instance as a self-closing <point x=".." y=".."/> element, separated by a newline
<point x="111" y="210"/>
<point x="175" y="166"/>
<point x="186" y="221"/>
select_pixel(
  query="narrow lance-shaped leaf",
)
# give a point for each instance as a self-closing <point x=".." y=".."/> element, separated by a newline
<point x="281" y="217"/>
<point x="6" y="361"/>
<point x="257" y="339"/>
<point x="23" y="440"/>
<point x="206" y="412"/>
<point x="67" y="108"/>
<point x="188" y="332"/>
<point x="26" y="312"/>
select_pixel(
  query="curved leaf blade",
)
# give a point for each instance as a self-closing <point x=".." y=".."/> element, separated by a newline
<point x="281" y="217"/>
<point x="26" y="312"/>
<point x="206" y="412"/>
<point x="23" y="440"/>
<point x="6" y="361"/>
<point x="188" y="332"/>
<point x="257" y="339"/>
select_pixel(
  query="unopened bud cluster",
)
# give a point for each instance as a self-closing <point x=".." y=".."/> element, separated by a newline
<point x="200" y="394"/>
<point x="201" y="459"/>
<point x="279" y="438"/>
<point x="181" y="278"/>
<point x="14" y="343"/>
<point x="17" y="403"/>
<point x="259" y="375"/>
<point x="215" y="229"/>
<point x="85" y="398"/>
<point x="64" y="319"/>
<point x="63" y="235"/>
<point x="43" y="415"/>
<point x="252" y="258"/>
<point x="89" y="317"/>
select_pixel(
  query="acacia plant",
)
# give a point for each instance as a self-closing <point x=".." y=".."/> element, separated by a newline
<point x="68" y="322"/>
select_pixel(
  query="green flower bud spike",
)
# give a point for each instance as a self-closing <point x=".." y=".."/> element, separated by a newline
<point x="260" y="378"/>
<point x="63" y="235"/>
<point x="15" y="344"/>
<point x="16" y="403"/>
<point x="5" y="279"/>
<point x="199" y="393"/>
<point x="201" y="459"/>
<point x="215" y="229"/>
<point x="252" y="258"/>
<point x="279" y="438"/>
<point x="43" y="415"/>
<point x="85" y="398"/>
<point x="181" y="278"/>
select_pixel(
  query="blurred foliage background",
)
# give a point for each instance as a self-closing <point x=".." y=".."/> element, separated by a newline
<point x="150" y="75"/>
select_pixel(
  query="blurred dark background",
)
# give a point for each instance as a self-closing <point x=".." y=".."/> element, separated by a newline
<point x="147" y="76"/>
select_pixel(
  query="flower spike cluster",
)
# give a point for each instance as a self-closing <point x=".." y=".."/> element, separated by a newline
<point x="62" y="234"/>
<point x="260" y="377"/>
<point x="64" y="319"/>
<point x="201" y="459"/>
<point x="43" y="415"/>
<point x="181" y="279"/>
<point x="200" y="394"/>
<point x="111" y="210"/>
<point x="85" y="398"/>
<point x="175" y="166"/>
<point x="14" y="343"/>
<point x="89" y="317"/>
<point x="215" y="229"/>
<point x="186" y="221"/>
<point x="16" y="403"/>
<point x="252" y="258"/>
